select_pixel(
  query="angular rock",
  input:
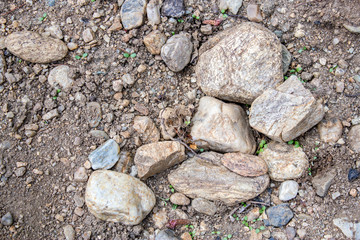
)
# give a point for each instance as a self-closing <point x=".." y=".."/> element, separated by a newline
<point x="171" y="120"/>
<point x="204" y="206"/>
<point x="117" y="197"/>
<point x="99" y="134"/>
<point x="179" y="199"/>
<point x="153" y="12"/>
<point x="254" y="13"/>
<point x="209" y="179"/>
<point x="116" y="26"/>
<point x="55" y="31"/>
<point x="232" y="5"/>
<point x="80" y="175"/>
<point x="288" y="190"/>
<point x="244" y="164"/>
<point x="154" y="158"/>
<point x="50" y="115"/>
<point x="286" y="59"/>
<point x="279" y="215"/>
<point x="330" y="130"/>
<point x="353" y="174"/>
<point x="284" y="161"/>
<point x="242" y="65"/>
<point x="147" y="129"/>
<point x="346" y="226"/>
<point x="60" y="77"/>
<point x="354" y="138"/>
<point x="222" y="127"/>
<point x="34" y="48"/>
<point x="124" y="162"/>
<point x="173" y="8"/>
<point x="166" y="234"/>
<point x="105" y="156"/>
<point x="154" y="42"/>
<point x="286" y="112"/>
<point x="177" y="51"/>
<point x="69" y="232"/>
<point x="93" y="114"/>
<point x="322" y="181"/>
<point x="160" y="218"/>
<point x="132" y="13"/>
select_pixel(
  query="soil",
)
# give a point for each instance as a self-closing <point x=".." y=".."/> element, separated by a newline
<point x="54" y="156"/>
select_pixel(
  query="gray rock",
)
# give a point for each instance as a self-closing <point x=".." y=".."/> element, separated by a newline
<point x="236" y="67"/>
<point x="222" y="127"/>
<point x="290" y="233"/>
<point x="286" y="59"/>
<point x="154" y="42"/>
<point x="322" y="181"/>
<point x="132" y="13"/>
<point x="204" y="206"/>
<point x="254" y="13"/>
<point x="284" y="161"/>
<point x="177" y="51"/>
<point x="154" y="158"/>
<point x="80" y="175"/>
<point x="55" y="31"/>
<point x="7" y="219"/>
<point x="286" y="112"/>
<point x="173" y="8"/>
<point x="117" y="197"/>
<point x="93" y="114"/>
<point x="353" y="29"/>
<point x="301" y="233"/>
<point x="232" y="5"/>
<point x="105" y="156"/>
<point x="306" y="76"/>
<point x="50" y="115"/>
<point x="146" y="129"/>
<point x="330" y="130"/>
<point x="166" y="234"/>
<point x="279" y="215"/>
<point x="288" y="190"/>
<point x="19" y="172"/>
<point x="153" y="12"/>
<point x="346" y="226"/>
<point x="3" y="67"/>
<point x="69" y="232"/>
<point x="209" y="179"/>
<point x="99" y="134"/>
<point x="60" y="77"/>
<point x="354" y="138"/>
<point x="88" y="35"/>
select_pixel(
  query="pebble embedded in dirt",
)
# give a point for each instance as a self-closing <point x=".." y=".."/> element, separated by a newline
<point x="354" y="138"/>
<point x="173" y="8"/>
<point x="146" y="129"/>
<point x="179" y="199"/>
<point x="254" y="13"/>
<point x="59" y="77"/>
<point x="105" y="156"/>
<point x="99" y="134"/>
<point x="353" y="174"/>
<point x="69" y="232"/>
<point x="204" y="206"/>
<point x="323" y="180"/>
<point x="232" y="5"/>
<point x="279" y="215"/>
<point x="244" y="164"/>
<point x="288" y="190"/>
<point x="153" y="12"/>
<point x="80" y="175"/>
<point x="166" y="234"/>
<point x="19" y="172"/>
<point x="7" y="219"/>
<point x="330" y="130"/>
<point x="55" y="31"/>
<point x="50" y="115"/>
<point x="154" y="42"/>
<point x="116" y="25"/>
<point x="132" y="13"/>
<point x="160" y="218"/>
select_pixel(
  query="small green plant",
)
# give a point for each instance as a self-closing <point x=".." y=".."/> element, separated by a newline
<point x="172" y="33"/>
<point x="227" y="237"/>
<point x="215" y="232"/>
<point x="261" y="210"/>
<point x="180" y="20"/>
<point x="223" y="13"/>
<point x="171" y="188"/>
<point x="298" y="69"/>
<point x="201" y="150"/>
<point x="78" y="57"/>
<point x="262" y="146"/>
<point x="93" y="0"/>
<point x="187" y="123"/>
<point x="126" y="55"/>
<point x="309" y="171"/>
<point x="85" y="55"/>
<point x="174" y="206"/>
<point x="195" y="17"/>
<point x="261" y="228"/>
<point x="303" y="49"/>
<point x="57" y="93"/>
<point x="296" y="143"/>
<point x="133" y="55"/>
<point x="43" y="17"/>
<point x="236" y="217"/>
<point x="165" y="200"/>
<point x="243" y="204"/>
<point x="333" y="69"/>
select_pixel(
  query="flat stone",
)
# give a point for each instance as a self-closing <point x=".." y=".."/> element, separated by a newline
<point x="160" y="218"/>
<point x="209" y="179"/>
<point x="117" y="197"/>
<point x="173" y="8"/>
<point x="322" y="181"/>
<point x="105" y="156"/>
<point x="354" y="138"/>
<point x="93" y="114"/>
<point x="244" y="164"/>
<point x="286" y="112"/>
<point x="254" y="13"/>
<point x="154" y="42"/>
<point x="330" y="130"/>
<point x="19" y="172"/>
<point x="204" y="206"/>
<point x="353" y="29"/>
<point x="179" y="199"/>
<point x="146" y="129"/>
<point x="279" y="215"/>
<point x="346" y="226"/>
<point x="176" y="53"/>
<point x="232" y="5"/>
<point x="59" y="77"/>
<point x="166" y="234"/>
<point x="132" y="13"/>
<point x="153" y="12"/>
<point x="288" y="190"/>
<point x="236" y="66"/>
<point x="154" y="158"/>
<point x="50" y="115"/>
<point x="353" y="174"/>
<point x="339" y="86"/>
<point x="284" y="161"/>
<point x="32" y="47"/>
<point x="3" y="67"/>
<point x="99" y="134"/>
<point x="55" y="31"/>
<point x="7" y="219"/>
<point x="69" y="232"/>
<point x="222" y="127"/>
<point x="116" y="25"/>
<point x="80" y="175"/>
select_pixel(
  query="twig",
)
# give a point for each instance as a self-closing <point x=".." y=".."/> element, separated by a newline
<point x="3" y="14"/>
<point x="261" y="203"/>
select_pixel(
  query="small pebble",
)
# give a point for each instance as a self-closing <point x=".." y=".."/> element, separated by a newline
<point x="7" y="219"/>
<point x="69" y="232"/>
<point x="353" y="174"/>
<point x="353" y="192"/>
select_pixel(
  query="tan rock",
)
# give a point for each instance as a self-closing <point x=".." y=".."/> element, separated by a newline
<point x="186" y="236"/>
<point x="147" y="129"/>
<point x="330" y="130"/>
<point x="154" y="42"/>
<point x="244" y="164"/>
<point x="254" y="13"/>
<point x="160" y="218"/>
<point x="179" y="199"/>
<point x="116" y="26"/>
<point x="170" y="122"/>
<point x="354" y="138"/>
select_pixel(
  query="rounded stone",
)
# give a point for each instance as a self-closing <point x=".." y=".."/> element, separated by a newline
<point x="7" y="219"/>
<point x="288" y="190"/>
<point x="179" y="199"/>
<point x="354" y="138"/>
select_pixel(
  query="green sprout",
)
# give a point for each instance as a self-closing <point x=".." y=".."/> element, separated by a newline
<point x="262" y="146"/>
<point x="201" y="150"/>
<point x="165" y="200"/>
<point x="261" y="228"/>
<point x="93" y="0"/>
<point x="309" y="171"/>
<point x="174" y="206"/>
<point x="171" y="188"/>
<point x="85" y="55"/>
<point x="333" y="68"/>
<point x="126" y="55"/>
<point x="303" y="49"/>
<point x="180" y="20"/>
<point x="43" y="17"/>
<point x="215" y="232"/>
<point x="262" y="209"/>
<point x="243" y="204"/>
<point x="78" y="57"/>
<point x="133" y="55"/>
<point x="196" y="17"/>
<point x="223" y="11"/>
<point x="187" y="123"/>
<point x="296" y="143"/>
<point x="173" y="33"/>
<point x="56" y="95"/>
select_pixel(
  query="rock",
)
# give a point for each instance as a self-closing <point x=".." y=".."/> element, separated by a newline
<point x="69" y="232"/>
<point x="206" y="29"/>
<point x="50" y="115"/>
<point x="34" y="48"/>
<point x="286" y="59"/>
<point x="173" y="8"/>
<point x="147" y="129"/>
<point x="105" y="156"/>
<point x="353" y="174"/>
<point x="253" y="214"/>
<point x="290" y="233"/>
<point x="244" y="164"/>
<point x="200" y="178"/>
<point x="154" y="42"/>
<point x="166" y="234"/>
<point x="330" y="130"/>
<point x="7" y="219"/>
<point x="55" y="31"/>
<point x="80" y="175"/>
<point x="222" y="127"/>
<point x="353" y="193"/>
<point x="93" y="114"/>
<point x="346" y="226"/>
<point x="124" y="162"/>
<point x="239" y="68"/>
<point x="186" y="236"/>
<point x="286" y="112"/>
<point x="116" y="26"/>
<point x="153" y="12"/>
<point x="154" y="158"/>
<point x="204" y="206"/>
<point x="299" y="31"/>
<point x="354" y="138"/>
<point x="160" y="218"/>
<point x="117" y="197"/>
<point x="339" y="86"/>
<point x="171" y="120"/>
<point x="19" y="172"/>
<point x="352" y="29"/>
<point x="88" y="35"/>
<point x="288" y="190"/>
<point x="307" y="76"/>
<point x="254" y="235"/>
<point x="177" y="51"/>
<point x="3" y="67"/>
<point x="59" y="78"/>
<point x="322" y="181"/>
<point x="99" y="134"/>
<point x="128" y="80"/>
<point x="232" y="5"/>
<point x="254" y="13"/>
<point x="132" y="13"/>
<point x="179" y="199"/>
<point x="301" y="233"/>
<point x="279" y="215"/>
<point x="284" y="161"/>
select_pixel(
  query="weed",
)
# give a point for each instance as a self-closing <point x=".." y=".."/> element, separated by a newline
<point x="180" y="20"/>
<point x="56" y="95"/>
<point x="309" y="171"/>
<point x="77" y="57"/>
<point x="333" y="69"/>
<point x="215" y="232"/>
<point x="262" y="209"/>
<point x="133" y="55"/>
<point x="187" y="123"/>
<point x="126" y="55"/>
<point x="85" y="55"/>
<point x="296" y="143"/>
<point x="173" y="33"/>
<point x="174" y="206"/>
<point x="236" y="217"/>
<point x="93" y="0"/>
<point x="171" y="188"/>
<point x="201" y="150"/>
<point x="261" y="228"/>
<point x="43" y="17"/>
<point x="195" y="17"/>
<point x="165" y="200"/>
<point x="262" y="146"/>
<point x="243" y="204"/>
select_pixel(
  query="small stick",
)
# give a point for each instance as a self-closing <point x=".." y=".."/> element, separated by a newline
<point x="261" y="203"/>
<point x="3" y="14"/>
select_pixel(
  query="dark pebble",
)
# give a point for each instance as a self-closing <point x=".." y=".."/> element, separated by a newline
<point x="279" y="215"/>
<point x="353" y="174"/>
<point x="7" y="219"/>
<point x="173" y="8"/>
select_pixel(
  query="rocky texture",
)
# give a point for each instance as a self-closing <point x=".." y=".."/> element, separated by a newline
<point x="279" y="215"/>
<point x="322" y="181"/>
<point x="254" y="13"/>
<point x="170" y="119"/>
<point x="166" y="234"/>
<point x="244" y="164"/>
<point x="173" y="8"/>
<point x="222" y="127"/>
<point x="147" y="129"/>
<point x="232" y="5"/>
<point x="288" y="190"/>
<point x="284" y="161"/>
<point x="242" y="65"/>
<point x="330" y="130"/>
<point x="105" y="156"/>
<point x="204" y="206"/>
<point x="349" y="229"/>
<point x="177" y="51"/>
<point x="34" y="48"/>
<point x="286" y="112"/>
<point x="3" y="67"/>
<point x="117" y="197"/>
<point x="154" y="158"/>
<point x="124" y="162"/>
<point x="154" y="42"/>
<point x="200" y="178"/>
<point x="179" y="199"/>
<point x="132" y="13"/>
<point x="153" y="12"/>
<point x="354" y="138"/>
<point x="160" y="218"/>
<point x="59" y="77"/>
<point x="286" y="59"/>
<point x="69" y="232"/>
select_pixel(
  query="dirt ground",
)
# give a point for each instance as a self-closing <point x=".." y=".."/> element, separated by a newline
<point x="42" y="200"/>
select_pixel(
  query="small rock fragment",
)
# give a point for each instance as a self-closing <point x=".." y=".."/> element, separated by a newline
<point x="50" y="115"/>
<point x="354" y="138"/>
<point x="88" y="35"/>
<point x="253" y="13"/>
<point x="166" y="234"/>
<point x="60" y="77"/>
<point x="279" y="215"/>
<point x="147" y="129"/>
<point x="173" y="8"/>
<point x="353" y="174"/>
<point x="330" y="130"/>
<point x="116" y="26"/>
<point x="288" y="190"/>
<point x="232" y="5"/>
<point x="179" y="199"/>
<point x="105" y="156"/>
<point x="322" y="181"/>
<point x="160" y="218"/>
<point x="154" y="42"/>
<point x="204" y="206"/>
<point x="7" y="219"/>
<point x="153" y="12"/>
<point x="80" y="175"/>
<point x="69" y="232"/>
<point x="132" y="13"/>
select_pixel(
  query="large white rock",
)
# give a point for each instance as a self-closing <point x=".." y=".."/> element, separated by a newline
<point x="222" y="127"/>
<point x="117" y="197"/>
